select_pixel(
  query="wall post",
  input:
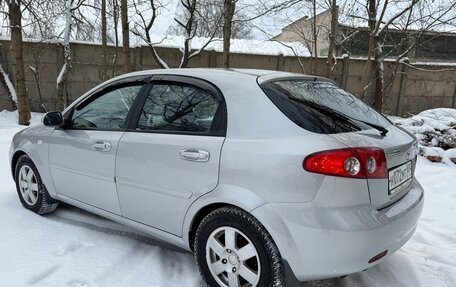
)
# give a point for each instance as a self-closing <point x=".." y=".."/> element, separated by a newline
<point x="212" y="59"/>
<point x="454" y="97"/>
<point x="138" y="58"/>
<point x="280" y="62"/>
<point x="344" y="76"/>
<point x="401" y="94"/>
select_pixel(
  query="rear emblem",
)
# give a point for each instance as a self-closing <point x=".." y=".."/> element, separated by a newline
<point x="394" y="152"/>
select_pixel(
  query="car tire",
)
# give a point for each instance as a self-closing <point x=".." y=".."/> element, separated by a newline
<point x="30" y="188"/>
<point x="226" y="264"/>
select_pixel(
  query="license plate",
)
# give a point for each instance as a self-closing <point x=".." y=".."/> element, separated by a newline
<point x="399" y="177"/>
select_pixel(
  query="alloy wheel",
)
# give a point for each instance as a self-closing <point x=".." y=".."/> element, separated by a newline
<point x="28" y="185"/>
<point x="232" y="258"/>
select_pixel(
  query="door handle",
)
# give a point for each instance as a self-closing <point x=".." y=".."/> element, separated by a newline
<point x="194" y="155"/>
<point x="101" y="146"/>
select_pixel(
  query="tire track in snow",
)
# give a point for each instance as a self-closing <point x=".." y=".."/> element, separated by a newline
<point x="35" y="279"/>
<point x="123" y="233"/>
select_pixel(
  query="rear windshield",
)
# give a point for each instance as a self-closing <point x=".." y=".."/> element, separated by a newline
<point x="322" y="107"/>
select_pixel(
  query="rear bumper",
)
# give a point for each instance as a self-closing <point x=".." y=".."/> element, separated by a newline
<point x="320" y="242"/>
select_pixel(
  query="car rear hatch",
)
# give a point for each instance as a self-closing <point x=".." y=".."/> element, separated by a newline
<point x="400" y="152"/>
<point x="319" y="106"/>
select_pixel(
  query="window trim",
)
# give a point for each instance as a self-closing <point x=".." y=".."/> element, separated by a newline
<point x="220" y="115"/>
<point x="99" y="93"/>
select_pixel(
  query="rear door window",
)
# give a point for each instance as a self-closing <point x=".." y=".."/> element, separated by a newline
<point x="322" y="107"/>
<point x="175" y="107"/>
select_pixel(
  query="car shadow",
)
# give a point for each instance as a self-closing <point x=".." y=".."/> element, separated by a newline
<point x="78" y="217"/>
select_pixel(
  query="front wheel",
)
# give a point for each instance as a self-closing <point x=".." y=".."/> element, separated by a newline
<point x="30" y="188"/>
<point x="233" y="249"/>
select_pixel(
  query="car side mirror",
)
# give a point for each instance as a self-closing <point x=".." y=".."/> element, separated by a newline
<point x="53" y="119"/>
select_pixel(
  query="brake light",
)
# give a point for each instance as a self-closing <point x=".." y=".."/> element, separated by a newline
<point x="359" y="162"/>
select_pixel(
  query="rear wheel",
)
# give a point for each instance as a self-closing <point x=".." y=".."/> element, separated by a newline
<point x="233" y="249"/>
<point x="31" y="190"/>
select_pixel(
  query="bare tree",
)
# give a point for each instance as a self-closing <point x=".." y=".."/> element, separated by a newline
<point x="188" y="23"/>
<point x="314" y="38"/>
<point x="257" y="9"/>
<point x="210" y="17"/>
<point x="125" y="35"/>
<point x="42" y="18"/>
<point x="71" y="7"/>
<point x="37" y="53"/>
<point x="331" y="62"/>
<point x="115" y="15"/>
<point x="377" y="25"/>
<point x="230" y="7"/>
<point x="104" y="41"/>
<point x="425" y="17"/>
<point x="15" y="17"/>
<point x="6" y="82"/>
<point x="65" y="70"/>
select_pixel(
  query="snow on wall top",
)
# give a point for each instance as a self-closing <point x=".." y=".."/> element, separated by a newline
<point x="241" y="46"/>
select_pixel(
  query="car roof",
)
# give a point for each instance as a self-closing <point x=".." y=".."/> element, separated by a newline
<point x="220" y="73"/>
<point x="217" y="76"/>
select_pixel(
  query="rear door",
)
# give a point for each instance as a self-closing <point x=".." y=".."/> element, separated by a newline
<point x="170" y="154"/>
<point x="82" y="155"/>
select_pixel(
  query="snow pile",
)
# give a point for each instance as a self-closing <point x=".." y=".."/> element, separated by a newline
<point x="435" y="130"/>
<point x="241" y="46"/>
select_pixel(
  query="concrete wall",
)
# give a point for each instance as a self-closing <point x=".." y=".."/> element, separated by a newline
<point x="411" y="91"/>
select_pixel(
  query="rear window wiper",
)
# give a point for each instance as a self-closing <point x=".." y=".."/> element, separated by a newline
<point x="327" y="112"/>
<point x="383" y="131"/>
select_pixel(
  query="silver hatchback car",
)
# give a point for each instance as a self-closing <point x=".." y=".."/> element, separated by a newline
<point x="269" y="178"/>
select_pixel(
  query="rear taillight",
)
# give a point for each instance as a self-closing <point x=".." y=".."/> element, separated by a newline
<point x="360" y="162"/>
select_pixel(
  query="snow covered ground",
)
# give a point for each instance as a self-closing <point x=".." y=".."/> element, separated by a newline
<point x="77" y="249"/>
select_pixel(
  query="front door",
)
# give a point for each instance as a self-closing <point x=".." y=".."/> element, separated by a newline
<point x="82" y="155"/>
<point x="171" y="156"/>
